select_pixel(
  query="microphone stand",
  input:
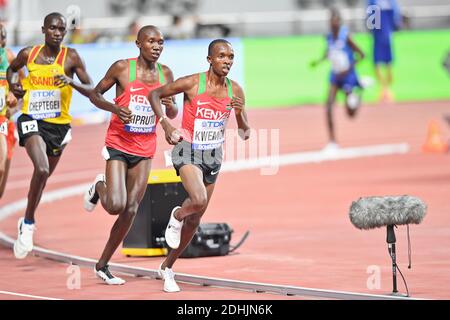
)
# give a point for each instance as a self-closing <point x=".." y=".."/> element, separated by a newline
<point x="390" y="239"/>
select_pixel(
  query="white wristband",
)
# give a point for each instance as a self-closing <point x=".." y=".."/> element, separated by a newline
<point x="161" y="119"/>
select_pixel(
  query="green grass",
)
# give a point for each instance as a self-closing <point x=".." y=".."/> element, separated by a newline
<point x="278" y="73"/>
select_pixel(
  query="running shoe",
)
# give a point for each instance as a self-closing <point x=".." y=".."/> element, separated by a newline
<point x="107" y="276"/>
<point x="169" y="279"/>
<point x="173" y="231"/>
<point x="91" y="196"/>
<point x="24" y="242"/>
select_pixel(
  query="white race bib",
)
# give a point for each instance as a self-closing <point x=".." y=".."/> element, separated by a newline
<point x="44" y="104"/>
<point x="29" y="126"/>
<point x="208" y="134"/>
<point x="2" y="98"/>
<point x="339" y="60"/>
<point x="143" y="119"/>
<point x="4" y="128"/>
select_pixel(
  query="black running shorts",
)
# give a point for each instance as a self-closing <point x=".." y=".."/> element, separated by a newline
<point x="209" y="161"/>
<point x="114" y="154"/>
<point x="55" y="136"/>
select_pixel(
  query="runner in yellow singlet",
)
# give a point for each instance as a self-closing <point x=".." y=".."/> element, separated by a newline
<point x="44" y="126"/>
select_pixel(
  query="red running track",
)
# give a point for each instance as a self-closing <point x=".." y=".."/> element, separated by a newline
<point x="300" y="231"/>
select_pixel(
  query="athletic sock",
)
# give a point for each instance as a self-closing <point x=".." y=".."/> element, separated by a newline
<point x="28" y="221"/>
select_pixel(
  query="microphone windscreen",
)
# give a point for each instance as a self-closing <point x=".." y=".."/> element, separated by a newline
<point x="375" y="212"/>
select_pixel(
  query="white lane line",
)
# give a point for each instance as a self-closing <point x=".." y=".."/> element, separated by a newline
<point x="287" y="159"/>
<point x="27" y="295"/>
<point x="264" y="163"/>
<point x="47" y="197"/>
<point x="71" y="176"/>
<point x="275" y="161"/>
<point x="200" y="280"/>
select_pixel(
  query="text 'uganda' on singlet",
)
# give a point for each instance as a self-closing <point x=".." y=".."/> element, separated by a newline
<point x="139" y="136"/>
<point x="205" y="117"/>
<point x="43" y="100"/>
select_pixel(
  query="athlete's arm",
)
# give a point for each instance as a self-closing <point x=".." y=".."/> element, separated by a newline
<point x="314" y="63"/>
<point x="78" y="68"/>
<point x="12" y="72"/>
<point x="183" y="84"/>
<point x="11" y="56"/>
<point x="355" y="48"/>
<point x="238" y="104"/>
<point x="319" y="61"/>
<point x="169" y="102"/>
<point x="11" y="100"/>
<point x="110" y="79"/>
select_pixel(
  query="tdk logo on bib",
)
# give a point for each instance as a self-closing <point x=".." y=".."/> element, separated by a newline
<point x="213" y="124"/>
<point x="143" y="119"/>
<point x="43" y="94"/>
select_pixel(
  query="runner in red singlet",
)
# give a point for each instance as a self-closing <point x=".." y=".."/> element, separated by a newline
<point x="209" y="98"/>
<point x="130" y="141"/>
<point x="8" y="107"/>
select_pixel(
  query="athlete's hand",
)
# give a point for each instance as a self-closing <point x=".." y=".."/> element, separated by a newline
<point x="17" y="90"/>
<point x="61" y="80"/>
<point x="10" y="111"/>
<point x="168" y="102"/>
<point x="237" y="104"/>
<point x="11" y="100"/>
<point x="173" y="136"/>
<point x="124" y="114"/>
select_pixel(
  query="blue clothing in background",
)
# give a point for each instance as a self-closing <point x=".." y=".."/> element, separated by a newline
<point x="390" y="20"/>
<point x="342" y="59"/>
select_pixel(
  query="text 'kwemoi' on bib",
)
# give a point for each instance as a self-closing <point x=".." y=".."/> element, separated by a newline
<point x="208" y="134"/>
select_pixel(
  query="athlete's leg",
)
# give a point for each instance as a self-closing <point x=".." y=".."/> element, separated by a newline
<point x="384" y="76"/>
<point x="113" y="194"/>
<point x="390" y="96"/>
<point x="36" y="150"/>
<point x="52" y="162"/>
<point x="352" y="101"/>
<point x="388" y="74"/>
<point x="4" y="177"/>
<point x="329" y="112"/>
<point x="3" y="163"/>
<point x="136" y="184"/>
<point x="192" y="209"/>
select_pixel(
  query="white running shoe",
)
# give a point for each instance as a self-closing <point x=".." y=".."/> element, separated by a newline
<point x="366" y="82"/>
<point x="107" y="276"/>
<point x="169" y="279"/>
<point x="331" y="148"/>
<point x="173" y="231"/>
<point x="24" y="242"/>
<point x="91" y="196"/>
<point x="353" y="101"/>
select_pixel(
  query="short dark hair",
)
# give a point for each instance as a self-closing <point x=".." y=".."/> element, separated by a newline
<point x="145" y="29"/>
<point x="214" y="43"/>
<point x="51" y="16"/>
<point x="335" y="13"/>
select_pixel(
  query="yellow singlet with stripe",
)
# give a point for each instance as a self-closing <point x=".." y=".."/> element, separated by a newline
<point x="43" y="100"/>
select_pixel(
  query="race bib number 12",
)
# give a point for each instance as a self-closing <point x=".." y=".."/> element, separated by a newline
<point x="29" y="126"/>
